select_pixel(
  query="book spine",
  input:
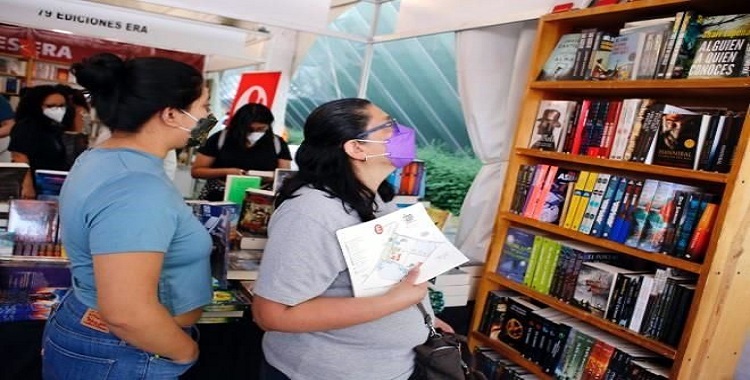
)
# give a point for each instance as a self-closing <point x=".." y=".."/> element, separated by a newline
<point x="669" y="46"/>
<point x="594" y="204"/>
<point x="606" y="203"/>
<point x="686" y="226"/>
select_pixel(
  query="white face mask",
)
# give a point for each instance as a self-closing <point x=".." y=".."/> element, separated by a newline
<point x="55" y="113"/>
<point x="253" y="137"/>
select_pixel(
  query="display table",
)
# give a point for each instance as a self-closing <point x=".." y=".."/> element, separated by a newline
<point x="227" y="351"/>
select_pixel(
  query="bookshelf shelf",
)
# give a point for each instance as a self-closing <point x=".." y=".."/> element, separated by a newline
<point x="683" y="88"/>
<point x="40" y="259"/>
<point x="511" y="354"/>
<point x="625" y="165"/>
<point x="12" y="75"/>
<point x="614" y="329"/>
<point x="604" y="243"/>
<point x="615" y="13"/>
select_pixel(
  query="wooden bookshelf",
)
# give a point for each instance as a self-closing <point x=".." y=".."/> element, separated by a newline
<point x="716" y="326"/>
<point x="562" y="232"/>
<point x="612" y="328"/>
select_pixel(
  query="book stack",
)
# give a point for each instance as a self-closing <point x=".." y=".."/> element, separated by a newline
<point x="455" y="286"/>
<point x="35" y="228"/>
<point x="227" y="306"/>
<point x="30" y="290"/>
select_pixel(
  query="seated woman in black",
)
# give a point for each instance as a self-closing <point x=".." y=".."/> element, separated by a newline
<point x="248" y="143"/>
<point x="37" y="137"/>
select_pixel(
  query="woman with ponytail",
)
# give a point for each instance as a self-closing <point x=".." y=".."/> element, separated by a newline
<point x="139" y="258"/>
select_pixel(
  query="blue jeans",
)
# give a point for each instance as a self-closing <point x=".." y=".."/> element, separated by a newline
<point x="71" y="350"/>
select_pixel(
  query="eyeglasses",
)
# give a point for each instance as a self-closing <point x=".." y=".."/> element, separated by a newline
<point x="391" y="123"/>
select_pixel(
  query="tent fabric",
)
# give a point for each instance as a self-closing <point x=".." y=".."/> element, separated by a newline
<point x="492" y="66"/>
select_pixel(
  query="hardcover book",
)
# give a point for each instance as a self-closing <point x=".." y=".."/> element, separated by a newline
<point x="256" y="211"/>
<point x="11" y="177"/>
<point x="555" y="199"/>
<point x="35" y="227"/>
<point x="551" y="123"/>
<point x="559" y="65"/>
<point x="677" y="140"/>
<point x="622" y="58"/>
<point x="48" y="183"/>
<point x="594" y="287"/>
<point x="219" y="218"/>
<point x="234" y="191"/>
<point x="516" y="252"/>
<point x="722" y="48"/>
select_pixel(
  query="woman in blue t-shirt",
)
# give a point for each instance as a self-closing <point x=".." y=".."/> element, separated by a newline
<point x="139" y="258"/>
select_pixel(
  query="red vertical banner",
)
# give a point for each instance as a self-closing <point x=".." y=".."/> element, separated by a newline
<point x="256" y="87"/>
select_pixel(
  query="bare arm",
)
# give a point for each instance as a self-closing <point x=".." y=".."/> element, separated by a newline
<point x="6" y="126"/>
<point x="284" y="164"/>
<point x="27" y="187"/>
<point x="202" y="168"/>
<point x="126" y="284"/>
<point x="328" y="313"/>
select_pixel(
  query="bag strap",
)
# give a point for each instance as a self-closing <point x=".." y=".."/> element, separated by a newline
<point x="428" y="320"/>
<point x="222" y="137"/>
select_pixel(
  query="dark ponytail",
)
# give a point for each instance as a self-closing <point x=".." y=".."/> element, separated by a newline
<point x="126" y="93"/>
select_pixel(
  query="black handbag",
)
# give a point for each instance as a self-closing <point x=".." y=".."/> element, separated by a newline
<point x="439" y="358"/>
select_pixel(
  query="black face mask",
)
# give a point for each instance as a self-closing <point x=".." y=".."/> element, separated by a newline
<point x="199" y="134"/>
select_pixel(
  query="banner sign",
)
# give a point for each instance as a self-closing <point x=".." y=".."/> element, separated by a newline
<point x="256" y="87"/>
<point x="111" y="23"/>
<point x="68" y="48"/>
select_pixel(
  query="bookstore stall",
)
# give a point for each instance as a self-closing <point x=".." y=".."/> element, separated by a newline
<point x="610" y="213"/>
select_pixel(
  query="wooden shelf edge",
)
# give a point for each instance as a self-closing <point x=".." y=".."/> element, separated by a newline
<point x="614" y="8"/>
<point x="625" y="165"/>
<point x="612" y="328"/>
<point x="599" y="242"/>
<point x="511" y="354"/>
<point x="702" y="84"/>
<point x="37" y="259"/>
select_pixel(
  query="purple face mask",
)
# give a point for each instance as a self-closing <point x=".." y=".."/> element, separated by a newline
<point x="401" y="148"/>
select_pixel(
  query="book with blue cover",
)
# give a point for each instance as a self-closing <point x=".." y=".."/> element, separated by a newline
<point x="514" y="259"/>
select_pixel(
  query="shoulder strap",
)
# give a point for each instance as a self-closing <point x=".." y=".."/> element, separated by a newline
<point x="222" y="137"/>
<point x="427" y="319"/>
<point x="276" y="144"/>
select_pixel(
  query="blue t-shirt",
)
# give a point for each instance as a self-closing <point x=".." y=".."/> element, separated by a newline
<point x="120" y="200"/>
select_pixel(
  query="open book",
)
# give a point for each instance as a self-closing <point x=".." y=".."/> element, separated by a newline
<point x="379" y="253"/>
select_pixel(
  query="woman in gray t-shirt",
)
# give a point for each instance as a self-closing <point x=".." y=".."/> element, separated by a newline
<point x="316" y="328"/>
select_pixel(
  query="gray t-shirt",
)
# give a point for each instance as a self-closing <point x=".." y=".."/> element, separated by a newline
<point x="303" y="260"/>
